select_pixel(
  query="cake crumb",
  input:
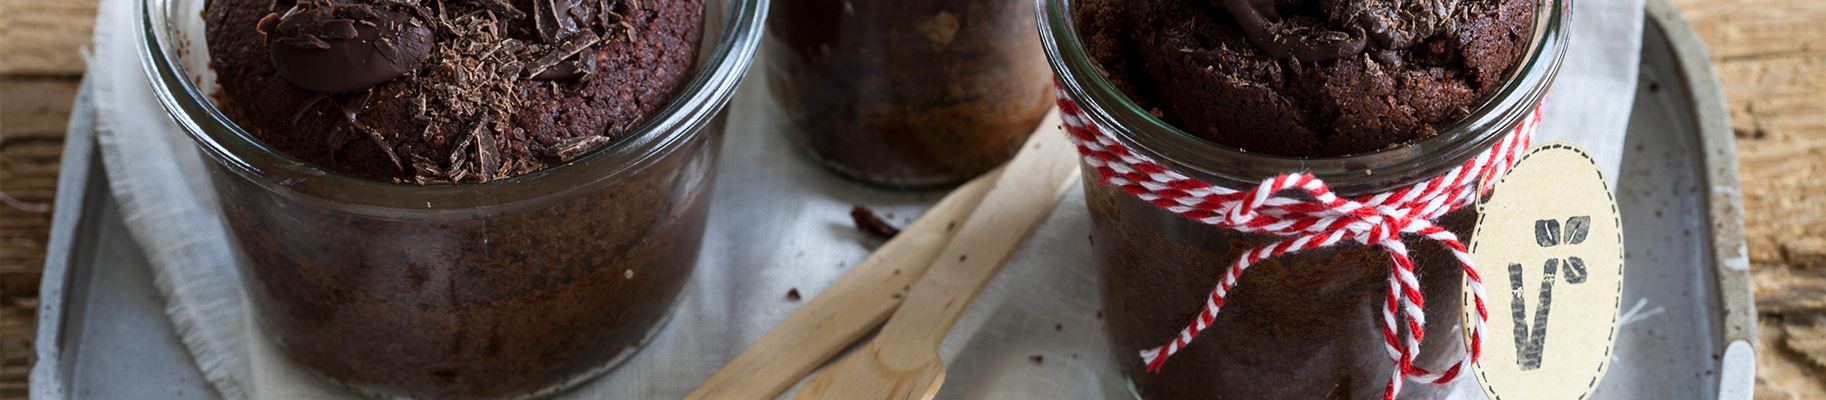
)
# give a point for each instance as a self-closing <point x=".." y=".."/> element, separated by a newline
<point x="872" y="224"/>
<point x="1037" y="359"/>
<point x="792" y="294"/>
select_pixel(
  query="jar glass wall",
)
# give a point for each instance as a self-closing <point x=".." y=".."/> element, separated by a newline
<point x="518" y="287"/>
<point x="1308" y="319"/>
<point x="908" y="93"/>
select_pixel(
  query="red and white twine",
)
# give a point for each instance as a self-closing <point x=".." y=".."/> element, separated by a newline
<point x="1305" y="214"/>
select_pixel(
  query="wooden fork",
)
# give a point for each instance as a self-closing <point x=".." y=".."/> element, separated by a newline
<point x="902" y="362"/>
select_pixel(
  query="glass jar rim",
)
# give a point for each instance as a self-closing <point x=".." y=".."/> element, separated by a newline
<point x="1106" y="106"/>
<point x="690" y="111"/>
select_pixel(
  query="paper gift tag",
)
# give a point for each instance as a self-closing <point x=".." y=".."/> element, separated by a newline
<point x="1549" y="246"/>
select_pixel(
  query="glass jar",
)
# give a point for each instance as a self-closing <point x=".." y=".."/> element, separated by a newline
<point x="1298" y="326"/>
<point x="908" y="93"/>
<point x="518" y="287"/>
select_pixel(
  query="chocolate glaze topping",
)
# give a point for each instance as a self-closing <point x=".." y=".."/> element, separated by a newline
<point x="1394" y="24"/>
<point x="335" y="46"/>
<point x="1301" y="38"/>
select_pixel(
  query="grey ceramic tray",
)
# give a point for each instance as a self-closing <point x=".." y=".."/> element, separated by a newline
<point x="102" y="333"/>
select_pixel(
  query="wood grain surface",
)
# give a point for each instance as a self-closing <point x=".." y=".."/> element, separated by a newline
<point x="1771" y="58"/>
<point x="44" y="37"/>
<point x="1770" y="55"/>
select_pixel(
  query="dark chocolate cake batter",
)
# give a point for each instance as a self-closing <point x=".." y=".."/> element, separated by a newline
<point x="448" y="90"/>
<point x="1307" y="77"/>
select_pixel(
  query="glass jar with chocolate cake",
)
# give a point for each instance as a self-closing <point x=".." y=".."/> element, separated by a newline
<point x="908" y="93"/>
<point x="457" y="198"/>
<point x="1369" y="96"/>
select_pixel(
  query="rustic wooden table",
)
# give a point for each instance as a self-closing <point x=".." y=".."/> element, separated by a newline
<point x="1770" y="56"/>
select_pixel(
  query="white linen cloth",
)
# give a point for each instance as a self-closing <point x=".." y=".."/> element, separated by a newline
<point x="1044" y="303"/>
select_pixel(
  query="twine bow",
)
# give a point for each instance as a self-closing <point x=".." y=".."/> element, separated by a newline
<point x="1305" y="214"/>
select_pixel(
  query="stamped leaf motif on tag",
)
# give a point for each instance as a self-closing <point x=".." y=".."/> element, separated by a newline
<point x="1529" y="337"/>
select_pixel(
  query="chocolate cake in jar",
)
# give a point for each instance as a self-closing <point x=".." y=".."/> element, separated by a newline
<point x="1370" y="96"/>
<point x="461" y="198"/>
<point x="908" y="93"/>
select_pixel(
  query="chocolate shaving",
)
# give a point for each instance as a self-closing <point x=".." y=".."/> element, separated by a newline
<point x="564" y="50"/>
<point x="442" y="18"/>
<point x="611" y="19"/>
<point x="459" y="154"/>
<point x="1395" y="24"/>
<point x="474" y="92"/>
<point x="351" y="113"/>
<point x="511" y="68"/>
<point x="568" y="69"/>
<point x="628" y="24"/>
<point x="487" y="157"/>
<point x="379" y="141"/>
<point x="553" y="19"/>
<point x="562" y="71"/>
<point x="605" y="12"/>
<point x="570" y="149"/>
<point x="511" y="46"/>
<point x="427" y="169"/>
<point x="501" y="8"/>
<point x="866" y="221"/>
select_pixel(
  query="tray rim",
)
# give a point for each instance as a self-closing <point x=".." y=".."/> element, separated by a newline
<point x="78" y="177"/>
<point x="1718" y="153"/>
<point x="1724" y="201"/>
